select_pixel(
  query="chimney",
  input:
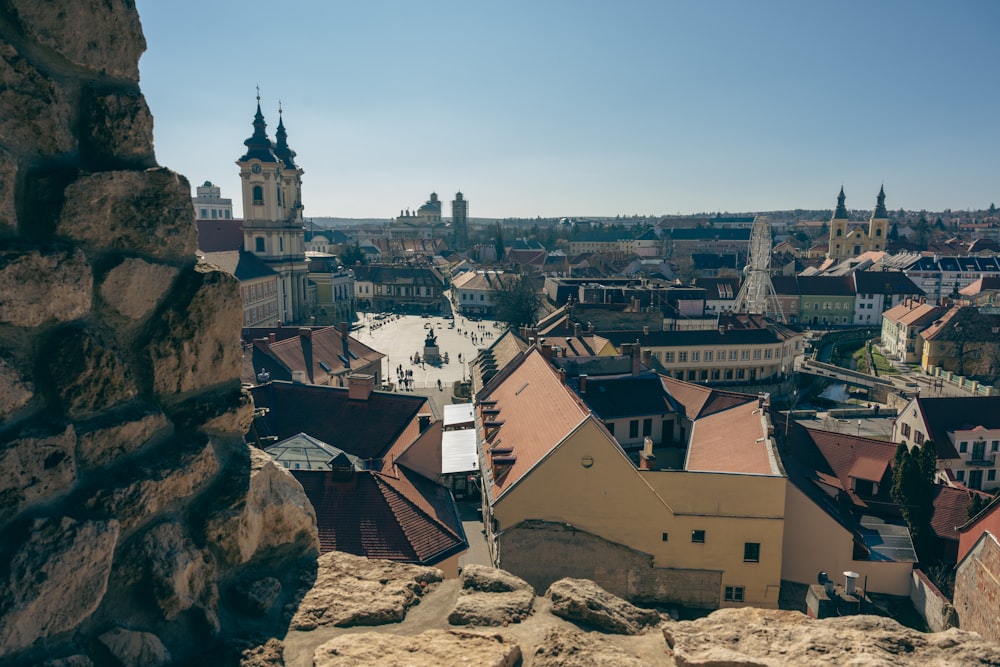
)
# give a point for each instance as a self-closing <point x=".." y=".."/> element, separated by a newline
<point x="645" y="330"/>
<point x="272" y="338"/>
<point x="562" y="375"/>
<point x="577" y="329"/>
<point x="583" y="383"/>
<point x="343" y="330"/>
<point x="850" y="582"/>
<point x="305" y="333"/>
<point x="546" y="350"/>
<point x="635" y="358"/>
<point x="647" y="460"/>
<point x="424" y="420"/>
<point x="359" y="386"/>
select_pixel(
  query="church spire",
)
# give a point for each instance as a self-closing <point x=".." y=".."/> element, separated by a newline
<point x="258" y="145"/>
<point x="880" y="211"/>
<point x="281" y="149"/>
<point x="841" y="212"/>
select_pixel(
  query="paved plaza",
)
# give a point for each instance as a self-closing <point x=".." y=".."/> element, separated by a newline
<point x="400" y="337"/>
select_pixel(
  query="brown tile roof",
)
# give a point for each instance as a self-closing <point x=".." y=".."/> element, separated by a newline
<point x="733" y="440"/>
<point x="366" y="429"/>
<point x="700" y="401"/>
<point x="404" y="518"/>
<point x="855" y="457"/>
<point x="951" y="505"/>
<point x="913" y="313"/>
<point x="310" y="351"/>
<point x="578" y="346"/>
<point x="537" y="412"/>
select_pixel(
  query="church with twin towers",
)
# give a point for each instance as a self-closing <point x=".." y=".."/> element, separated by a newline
<point x="273" y="227"/>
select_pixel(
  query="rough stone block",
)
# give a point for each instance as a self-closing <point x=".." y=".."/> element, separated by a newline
<point x="117" y="131"/>
<point x="147" y="212"/>
<point x="104" y="36"/>
<point x="186" y="358"/>
<point x="132" y="648"/>
<point x="428" y="649"/>
<point x="87" y="372"/>
<point x="34" y="110"/>
<point x="101" y="445"/>
<point x="55" y="580"/>
<point x="35" y="467"/>
<point x="8" y="192"/>
<point x="273" y="512"/>
<point x="15" y="390"/>
<point x="40" y="285"/>
<point x="181" y="474"/>
<point x="180" y="575"/>
<point x="134" y="287"/>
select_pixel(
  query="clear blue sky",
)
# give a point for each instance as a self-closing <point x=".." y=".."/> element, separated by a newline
<point x="579" y="107"/>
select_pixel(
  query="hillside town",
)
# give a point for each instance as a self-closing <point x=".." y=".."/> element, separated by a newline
<point x="694" y="412"/>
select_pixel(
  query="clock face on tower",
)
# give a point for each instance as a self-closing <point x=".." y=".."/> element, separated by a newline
<point x="255" y="169"/>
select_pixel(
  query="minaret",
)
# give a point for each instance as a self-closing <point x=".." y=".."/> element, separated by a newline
<point x="878" y="226"/>
<point x="460" y="221"/>
<point x="272" y="215"/>
<point x="838" y="229"/>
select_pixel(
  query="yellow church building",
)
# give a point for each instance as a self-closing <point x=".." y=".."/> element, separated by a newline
<point x="847" y="240"/>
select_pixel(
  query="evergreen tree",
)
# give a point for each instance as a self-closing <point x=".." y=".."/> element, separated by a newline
<point x="913" y="489"/>
<point x="352" y="255"/>
<point x="977" y="505"/>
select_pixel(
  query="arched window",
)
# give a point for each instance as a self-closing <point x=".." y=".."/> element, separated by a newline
<point x="259" y="241"/>
<point x="840" y="232"/>
<point x="258" y="195"/>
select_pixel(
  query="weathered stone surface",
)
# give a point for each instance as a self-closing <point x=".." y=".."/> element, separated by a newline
<point x="147" y="212"/>
<point x="258" y="595"/>
<point x="180" y="575"/>
<point x="583" y="601"/>
<point x="134" y="287"/>
<point x="766" y="637"/>
<point x="102" y="35"/>
<point x="117" y="130"/>
<point x="491" y="597"/>
<point x="8" y="178"/>
<point x="70" y="661"/>
<point x="55" y="580"/>
<point x="44" y="285"/>
<point x="353" y="590"/>
<point x="270" y="654"/>
<point x="570" y="648"/>
<point x="15" y="390"/>
<point x="227" y="411"/>
<point x="35" y="467"/>
<point x="274" y="512"/>
<point x="34" y="110"/>
<point x="433" y="648"/>
<point x="183" y="361"/>
<point x="158" y="483"/>
<point x="87" y="372"/>
<point x="99" y="446"/>
<point x="135" y="649"/>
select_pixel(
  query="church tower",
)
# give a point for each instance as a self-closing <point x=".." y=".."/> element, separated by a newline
<point x="838" y="229"/>
<point x="878" y="226"/>
<point x="272" y="215"/>
<point x="460" y="221"/>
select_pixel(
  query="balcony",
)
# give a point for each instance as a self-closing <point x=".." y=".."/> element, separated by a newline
<point x="983" y="461"/>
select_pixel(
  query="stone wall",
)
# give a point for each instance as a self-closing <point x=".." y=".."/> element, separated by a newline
<point x="131" y="513"/>
<point x="977" y="588"/>
<point x="931" y="603"/>
<point x="542" y="552"/>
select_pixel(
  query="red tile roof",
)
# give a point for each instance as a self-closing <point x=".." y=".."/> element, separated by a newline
<point x="948" y="414"/>
<point x="855" y="457"/>
<point x="733" y="440"/>
<point x="309" y="353"/>
<point x="537" y="412"/>
<point x="380" y="516"/>
<point x="701" y="401"/>
<point x="951" y="505"/>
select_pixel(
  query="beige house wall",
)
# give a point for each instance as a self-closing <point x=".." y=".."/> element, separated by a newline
<point x="815" y="542"/>
<point x="589" y="483"/>
<point x="781" y="362"/>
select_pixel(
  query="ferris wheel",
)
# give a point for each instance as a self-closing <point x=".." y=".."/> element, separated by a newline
<point x="757" y="295"/>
